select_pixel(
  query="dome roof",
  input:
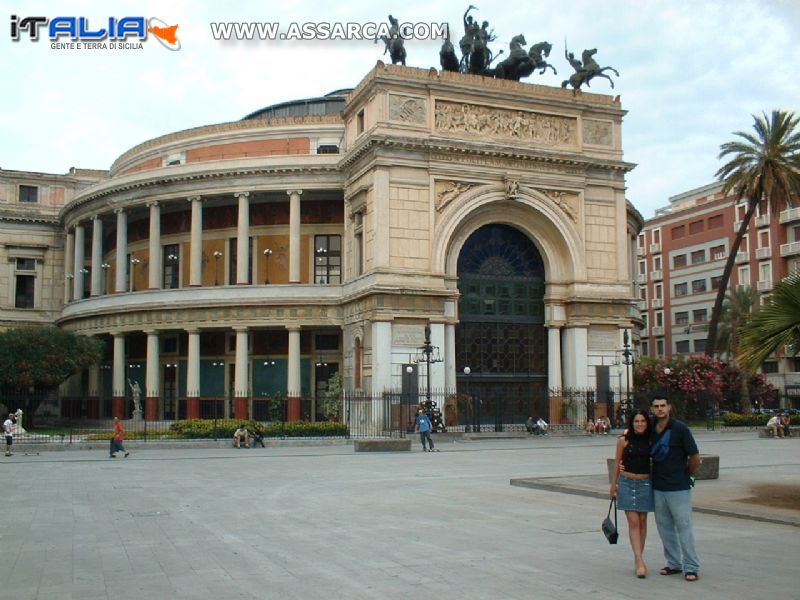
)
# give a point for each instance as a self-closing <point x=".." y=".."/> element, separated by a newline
<point x="329" y="104"/>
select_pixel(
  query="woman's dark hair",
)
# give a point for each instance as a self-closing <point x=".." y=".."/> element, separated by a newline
<point x="629" y="430"/>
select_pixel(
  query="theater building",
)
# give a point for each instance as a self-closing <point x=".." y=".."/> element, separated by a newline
<point x="229" y="263"/>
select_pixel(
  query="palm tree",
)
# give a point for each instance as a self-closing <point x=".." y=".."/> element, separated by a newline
<point x="764" y="165"/>
<point x="735" y="313"/>
<point x="776" y="324"/>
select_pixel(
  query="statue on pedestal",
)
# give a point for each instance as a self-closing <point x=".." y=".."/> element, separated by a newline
<point x="587" y="70"/>
<point x="19" y="428"/>
<point x="136" y="394"/>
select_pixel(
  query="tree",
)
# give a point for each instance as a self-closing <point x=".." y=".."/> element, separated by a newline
<point x="763" y="166"/>
<point x="36" y="360"/>
<point x="735" y="312"/>
<point x="691" y="382"/>
<point x="332" y="400"/>
<point x="777" y="324"/>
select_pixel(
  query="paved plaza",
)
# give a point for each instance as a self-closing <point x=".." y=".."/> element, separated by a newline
<point x="324" y="522"/>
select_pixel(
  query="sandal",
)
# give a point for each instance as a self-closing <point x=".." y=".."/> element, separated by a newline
<point x="690" y="576"/>
<point x="671" y="571"/>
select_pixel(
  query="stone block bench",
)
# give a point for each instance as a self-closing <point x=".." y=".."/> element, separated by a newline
<point x="709" y="467"/>
<point x="763" y="432"/>
<point x="387" y="445"/>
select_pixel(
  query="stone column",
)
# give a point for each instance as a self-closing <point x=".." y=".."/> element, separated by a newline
<point x="243" y="239"/>
<point x="293" y="386"/>
<point x="69" y="264"/>
<point x="118" y="385"/>
<point x="196" y="243"/>
<point x="93" y="398"/>
<point x="438" y="369"/>
<point x="152" y="378"/>
<point x="97" y="256"/>
<point x="294" y="235"/>
<point x="241" y="385"/>
<point x="381" y="368"/>
<point x="155" y="277"/>
<point x="77" y="271"/>
<point x="450" y="358"/>
<point x="576" y="369"/>
<point x="554" y="381"/>
<point x="193" y="375"/>
<point x="120" y="279"/>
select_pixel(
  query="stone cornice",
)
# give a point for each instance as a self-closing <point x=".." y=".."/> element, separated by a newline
<point x="150" y="179"/>
<point x="219" y="128"/>
<point x="447" y="145"/>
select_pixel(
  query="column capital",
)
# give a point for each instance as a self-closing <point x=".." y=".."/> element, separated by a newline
<point x="241" y="329"/>
<point x="152" y="203"/>
<point x="191" y="330"/>
<point x="193" y="198"/>
<point x="293" y="327"/>
<point x="290" y="192"/>
<point x="240" y="194"/>
<point x="116" y="334"/>
<point x="96" y="217"/>
<point x="119" y="211"/>
<point x="151" y="331"/>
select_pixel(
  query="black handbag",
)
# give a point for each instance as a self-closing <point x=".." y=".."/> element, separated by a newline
<point x="609" y="528"/>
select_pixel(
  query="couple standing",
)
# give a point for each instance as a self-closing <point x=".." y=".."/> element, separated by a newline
<point x="665" y="488"/>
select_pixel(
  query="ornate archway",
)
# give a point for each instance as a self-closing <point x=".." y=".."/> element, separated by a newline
<point x="501" y="334"/>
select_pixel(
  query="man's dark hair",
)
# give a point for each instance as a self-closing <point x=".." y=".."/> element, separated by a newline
<point x="660" y="395"/>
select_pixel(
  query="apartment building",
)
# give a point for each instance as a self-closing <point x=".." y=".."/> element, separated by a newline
<point x="681" y="255"/>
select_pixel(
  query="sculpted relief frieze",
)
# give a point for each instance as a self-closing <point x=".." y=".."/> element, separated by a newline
<point x="406" y="109"/>
<point x="447" y="191"/>
<point x="506" y="163"/>
<point x="598" y="133"/>
<point x="543" y="130"/>
<point x="566" y="201"/>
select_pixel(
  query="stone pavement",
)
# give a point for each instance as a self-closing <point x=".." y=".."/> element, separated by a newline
<point x="325" y="522"/>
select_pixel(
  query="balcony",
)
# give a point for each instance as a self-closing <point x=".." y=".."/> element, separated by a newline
<point x="644" y="332"/>
<point x="657" y="303"/>
<point x="790" y="249"/>
<point x="642" y="305"/>
<point x="736" y="226"/>
<point x="655" y="248"/>
<point x="764" y="286"/>
<point x="742" y="256"/>
<point x="640" y="252"/>
<point x="762" y="221"/>
<point x="789" y="216"/>
<point x="720" y="255"/>
<point x="762" y="253"/>
<point x="641" y="278"/>
<point x="658" y="330"/>
<point x="656" y="275"/>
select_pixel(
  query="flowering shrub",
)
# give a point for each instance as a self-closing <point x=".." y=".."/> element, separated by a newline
<point x="692" y="382"/>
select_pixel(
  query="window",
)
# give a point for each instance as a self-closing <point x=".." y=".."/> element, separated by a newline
<point x="28" y="193"/>
<point x="769" y="366"/>
<point x="643" y="293"/>
<point x="327" y="259"/>
<point x="642" y="267"/>
<point x="660" y="318"/>
<point x="765" y="271"/>
<point x="700" y="345"/>
<point x="658" y="290"/>
<point x="743" y="247"/>
<point x="656" y="236"/>
<point x="641" y="240"/>
<point x="26" y="264"/>
<point x="716" y="222"/>
<point x="656" y="263"/>
<point x="700" y="315"/>
<point x="744" y="276"/>
<point x="716" y="282"/>
<point x="741" y="210"/>
<point x="24" y="298"/>
<point x="698" y="286"/>
<point x="679" y="261"/>
<point x="171" y="257"/>
<point x="327" y="149"/>
<point x="645" y="349"/>
<point x="763" y="239"/>
<point x="644" y="320"/>
<point x="682" y="347"/>
<point x="794" y="365"/>
<point x="169" y="344"/>
<point x="698" y="256"/>
<point x="678" y="232"/>
<point x="681" y="289"/>
<point x="696" y="227"/>
<point x="717" y="252"/>
<point x="682" y="318"/>
<point x="659" y="347"/>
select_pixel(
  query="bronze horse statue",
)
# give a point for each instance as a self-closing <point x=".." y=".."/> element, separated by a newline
<point x="447" y="55"/>
<point x="521" y="64"/>
<point x="394" y="43"/>
<point x="587" y="70"/>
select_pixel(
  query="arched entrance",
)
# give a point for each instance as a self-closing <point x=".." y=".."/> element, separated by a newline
<point x="501" y="334"/>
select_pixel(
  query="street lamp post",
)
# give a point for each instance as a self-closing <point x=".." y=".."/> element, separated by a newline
<point x="217" y="256"/>
<point x="627" y="360"/>
<point x="428" y="354"/>
<point x="267" y="254"/>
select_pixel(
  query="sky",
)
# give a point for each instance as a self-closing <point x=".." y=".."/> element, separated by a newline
<point x="691" y="73"/>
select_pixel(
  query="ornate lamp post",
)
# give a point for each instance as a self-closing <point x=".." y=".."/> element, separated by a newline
<point x="428" y="354"/>
<point x="217" y="256"/>
<point x="627" y="360"/>
<point x="267" y="254"/>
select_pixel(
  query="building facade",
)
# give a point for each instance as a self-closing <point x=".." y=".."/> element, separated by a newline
<point x="233" y="262"/>
<point x="681" y="255"/>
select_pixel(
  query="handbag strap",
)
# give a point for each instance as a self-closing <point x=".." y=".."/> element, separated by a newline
<point x="614" y="504"/>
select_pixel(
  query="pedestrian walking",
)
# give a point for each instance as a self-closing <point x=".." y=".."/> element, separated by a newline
<point x="422" y="424"/>
<point x="9" y="425"/>
<point x="117" y="439"/>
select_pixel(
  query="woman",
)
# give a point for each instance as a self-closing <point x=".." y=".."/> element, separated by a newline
<point x="631" y="484"/>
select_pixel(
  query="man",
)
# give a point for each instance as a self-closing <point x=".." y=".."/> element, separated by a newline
<point x="117" y="439"/>
<point x="785" y="425"/>
<point x="423" y="424"/>
<point x="241" y="435"/>
<point x="8" y="427"/>
<point x="774" y="427"/>
<point x="675" y="461"/>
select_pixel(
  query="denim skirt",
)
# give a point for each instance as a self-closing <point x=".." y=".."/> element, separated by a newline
<point x="635" y="494"/>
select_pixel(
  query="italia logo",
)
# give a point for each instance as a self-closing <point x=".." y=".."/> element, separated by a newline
<point x="128" y="30"/>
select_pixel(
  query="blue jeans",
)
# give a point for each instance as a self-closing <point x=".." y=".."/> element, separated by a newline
<point x="674" y="522"/>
